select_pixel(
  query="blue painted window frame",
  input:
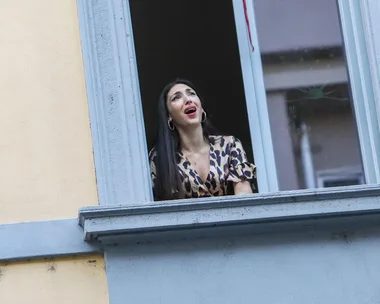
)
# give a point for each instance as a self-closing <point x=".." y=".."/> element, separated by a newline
<point x="117" y="124"/>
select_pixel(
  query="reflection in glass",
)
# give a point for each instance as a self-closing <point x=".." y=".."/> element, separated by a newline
<point x="308" y="94"/>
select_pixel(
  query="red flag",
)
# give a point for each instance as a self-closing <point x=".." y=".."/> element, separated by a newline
<point x="247" y="21"/>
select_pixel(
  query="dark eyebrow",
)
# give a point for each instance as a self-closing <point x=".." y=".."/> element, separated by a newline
<point x="176" y="93"/>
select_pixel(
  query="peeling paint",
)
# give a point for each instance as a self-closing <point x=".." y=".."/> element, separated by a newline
<point x="2" y="272"/>
<point x="58" y="280"/>
<point x="52" y="267"/>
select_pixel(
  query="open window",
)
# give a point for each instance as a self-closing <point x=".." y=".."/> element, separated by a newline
<point x="195" y="40"/>
<point x="302" y="102"/>
<point x="305" y="89"/>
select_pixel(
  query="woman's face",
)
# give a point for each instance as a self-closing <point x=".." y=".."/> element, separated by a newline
<point x="184" y="106"/>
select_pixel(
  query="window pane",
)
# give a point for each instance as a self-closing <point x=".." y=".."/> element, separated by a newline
<point x="308" y="94"/>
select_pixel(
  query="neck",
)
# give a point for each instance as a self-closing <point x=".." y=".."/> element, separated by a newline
<point x="192" y="140"/>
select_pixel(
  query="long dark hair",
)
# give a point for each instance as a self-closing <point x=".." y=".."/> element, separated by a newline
<point x="168" y="184"/>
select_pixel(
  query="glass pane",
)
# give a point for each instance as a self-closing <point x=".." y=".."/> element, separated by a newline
<point x="308" y="94"/>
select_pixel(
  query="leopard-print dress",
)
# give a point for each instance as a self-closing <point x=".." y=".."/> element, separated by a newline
<point x="228" y="165"/>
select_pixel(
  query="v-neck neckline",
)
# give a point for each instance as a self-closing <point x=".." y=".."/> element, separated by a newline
<point x="195" y="171"/>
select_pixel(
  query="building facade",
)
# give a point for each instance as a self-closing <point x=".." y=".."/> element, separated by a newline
<point x="80" y="79"/>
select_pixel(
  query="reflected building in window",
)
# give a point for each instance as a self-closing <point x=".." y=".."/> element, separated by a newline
<point x="306" y="80"/>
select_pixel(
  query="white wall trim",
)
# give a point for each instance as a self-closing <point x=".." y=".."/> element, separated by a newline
<point x="117" y="124"/>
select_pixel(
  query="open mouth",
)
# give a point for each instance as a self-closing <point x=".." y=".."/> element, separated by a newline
<point x="190" y="110"/>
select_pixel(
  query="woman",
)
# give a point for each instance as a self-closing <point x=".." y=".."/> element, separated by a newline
<point x="190" y="159"/>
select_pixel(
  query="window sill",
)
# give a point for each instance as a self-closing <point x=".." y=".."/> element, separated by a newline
<point x="258" y="213"/>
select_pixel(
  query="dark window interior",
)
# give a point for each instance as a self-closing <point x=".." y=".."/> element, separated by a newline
<point x="196" y="40"/>
<point x="342" y="182"/>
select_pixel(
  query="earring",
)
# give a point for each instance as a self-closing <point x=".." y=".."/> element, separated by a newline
<point x="205" y="116"/>
<point x="170" y="125"/>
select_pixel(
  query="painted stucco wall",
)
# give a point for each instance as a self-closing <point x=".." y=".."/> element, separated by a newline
<point x="47" y="168"/>
<point x="71" y="280"/>
<point x="311" y="265"/>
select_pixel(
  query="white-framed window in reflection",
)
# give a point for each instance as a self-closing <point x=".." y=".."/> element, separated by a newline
<point x="338" y="177"/>
<point x="308" y="90"/>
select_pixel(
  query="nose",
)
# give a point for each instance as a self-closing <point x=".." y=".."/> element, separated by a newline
<point x="187" y="99"/>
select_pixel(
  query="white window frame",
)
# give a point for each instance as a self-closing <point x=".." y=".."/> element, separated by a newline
<point x="361" y="69"/>
<point x="117" y="124"/>
<point x="256" y="102"/>
<point x="336" y="174"/>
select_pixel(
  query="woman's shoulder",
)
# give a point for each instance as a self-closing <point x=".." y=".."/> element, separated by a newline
<point x="223" y="139"/>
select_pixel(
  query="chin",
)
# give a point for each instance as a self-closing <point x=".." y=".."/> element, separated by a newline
<point x="192" y="124"/>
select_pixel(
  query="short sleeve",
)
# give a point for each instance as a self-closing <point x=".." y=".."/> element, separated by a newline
<point x="240" y="169"/>
<point x="152" y="163"/>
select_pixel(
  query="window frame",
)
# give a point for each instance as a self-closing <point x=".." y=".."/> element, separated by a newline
<point x="337" y="174"/>
<point x="360" y="70"/>
<point x="117" y="126"/>
<point x="256" y="102"/>
<point x="371" y="28"/>
<point x="362" y="75"/>
<point x="116" y="114"/>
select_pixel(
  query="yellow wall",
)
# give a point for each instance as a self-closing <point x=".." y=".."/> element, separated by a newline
<point x="76" y="280"/>
<point x="46" y="163"/>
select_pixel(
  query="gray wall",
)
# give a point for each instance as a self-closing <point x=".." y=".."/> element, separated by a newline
<point x="288" y="25"/>
<point x="304" y="266"/>
<point x="335" y="141"/>
<point x="282" y="141"/>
